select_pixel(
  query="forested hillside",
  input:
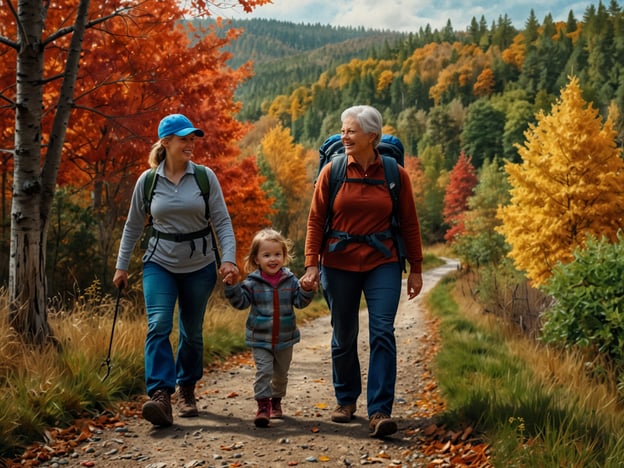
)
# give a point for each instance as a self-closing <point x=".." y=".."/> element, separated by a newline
<point x="446" y="92"/>
<point x="287" y="55"/>
<point x="265" y="40"/>
<point x="441" y="86"/>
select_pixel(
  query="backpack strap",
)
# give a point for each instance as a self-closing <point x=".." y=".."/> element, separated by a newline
<point x="201" y="178"/>
<point x="338" y="171"/>
<point x="337" y="176"/>
<point x="148" y="193"/>
<point x="148" y="190"/>
<point x="393" y="182"/>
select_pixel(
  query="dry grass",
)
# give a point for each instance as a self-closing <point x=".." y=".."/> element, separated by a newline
<point x="561" y="370"/>
<point x="51" y="385"/>
<point x="538" y="406"/>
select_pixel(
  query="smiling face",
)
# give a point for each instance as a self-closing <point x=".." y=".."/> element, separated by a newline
<point x="180" y="148"/>
<point x="357" y="143"/>
<point x="270" y="256"/>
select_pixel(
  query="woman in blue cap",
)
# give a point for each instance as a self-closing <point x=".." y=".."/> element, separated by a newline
<point x="177" y="265"/>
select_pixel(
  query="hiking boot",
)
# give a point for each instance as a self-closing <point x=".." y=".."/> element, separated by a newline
<point x="264" y="413"/>
<point x="158" y="409"/>
<point x="187" y="405"/>
<point x="276" y="408"/>
<point x="381" y="425"/>
<point x="343" y="413"/>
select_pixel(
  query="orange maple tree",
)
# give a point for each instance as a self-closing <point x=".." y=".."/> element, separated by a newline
<point x="92" y="126"/>
<point x="186" y="74"/>
<point x="484" y="86"/>
<point x="125" y="87"/>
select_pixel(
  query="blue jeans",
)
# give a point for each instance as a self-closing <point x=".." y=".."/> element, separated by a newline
<point x="343" y="290"/>
<point x="161" y="290"/>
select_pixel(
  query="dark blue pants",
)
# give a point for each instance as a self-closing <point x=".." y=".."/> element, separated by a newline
<point x="381" y="288"/>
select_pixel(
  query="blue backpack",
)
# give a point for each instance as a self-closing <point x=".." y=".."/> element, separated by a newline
<point x="392" y="153"/>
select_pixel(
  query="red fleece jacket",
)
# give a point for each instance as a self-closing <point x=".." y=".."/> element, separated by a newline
<point x="362" y="209"/>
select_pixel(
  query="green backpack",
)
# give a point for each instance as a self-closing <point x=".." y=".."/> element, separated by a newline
<point x="201" y="177"/>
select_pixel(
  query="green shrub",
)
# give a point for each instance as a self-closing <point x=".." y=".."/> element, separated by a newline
<point x="588" y="311"/>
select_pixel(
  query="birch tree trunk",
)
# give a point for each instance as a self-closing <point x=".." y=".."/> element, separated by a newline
<point x="36" y="169"/>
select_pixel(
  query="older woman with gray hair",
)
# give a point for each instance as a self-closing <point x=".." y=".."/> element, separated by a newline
<point x="373" y="268"/>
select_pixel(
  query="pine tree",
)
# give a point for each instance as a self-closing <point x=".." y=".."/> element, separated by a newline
<point x="569" y="185"/>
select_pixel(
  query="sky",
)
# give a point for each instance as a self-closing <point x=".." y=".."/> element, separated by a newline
<point x="411" y="15"/>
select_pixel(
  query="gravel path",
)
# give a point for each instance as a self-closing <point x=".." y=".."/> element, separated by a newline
<point x="224" y="434"/>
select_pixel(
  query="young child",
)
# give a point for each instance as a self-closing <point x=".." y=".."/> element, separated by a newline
<point x="271" y="329"/>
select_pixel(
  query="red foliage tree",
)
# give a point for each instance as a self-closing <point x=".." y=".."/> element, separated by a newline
<point x="462" y="181"/>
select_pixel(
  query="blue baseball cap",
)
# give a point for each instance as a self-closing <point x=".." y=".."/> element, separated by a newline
<point x="177" y="124"/>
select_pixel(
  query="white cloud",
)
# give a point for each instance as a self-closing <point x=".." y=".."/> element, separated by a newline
<point x="410" y="15"/>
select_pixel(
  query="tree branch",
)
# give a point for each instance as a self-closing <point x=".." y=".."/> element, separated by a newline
<point x="7" y="41"/>
<point x="70" y="29"/>
<point x="51" y="165"/>
<point x="10" y="102"/>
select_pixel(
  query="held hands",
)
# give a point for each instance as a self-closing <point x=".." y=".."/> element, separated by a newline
<point x="229" y="273"/>
<point x="414" y="285"/>
<point x="310" y="280"/>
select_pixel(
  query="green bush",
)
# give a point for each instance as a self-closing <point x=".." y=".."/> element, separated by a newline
<point x="588" y="308"/>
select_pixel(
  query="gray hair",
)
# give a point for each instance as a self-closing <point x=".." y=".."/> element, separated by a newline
<point x="368" y="117"/>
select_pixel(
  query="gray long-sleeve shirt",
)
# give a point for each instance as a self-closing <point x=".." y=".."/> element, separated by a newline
<point x="178" y="209"/>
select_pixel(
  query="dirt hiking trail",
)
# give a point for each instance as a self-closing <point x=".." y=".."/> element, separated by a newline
<point x="224" y="434"/>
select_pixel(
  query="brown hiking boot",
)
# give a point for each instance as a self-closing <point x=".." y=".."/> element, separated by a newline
<point x="187" y="405"/>
<point x="276" y="408"/>
<point x="264" y="413"/>
<point x="343" y="413"/>
<point x="158" y="409"/>
<point x="381" y="425"/>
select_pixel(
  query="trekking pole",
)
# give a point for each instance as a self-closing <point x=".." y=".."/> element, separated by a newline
<point x="110" y="345"/>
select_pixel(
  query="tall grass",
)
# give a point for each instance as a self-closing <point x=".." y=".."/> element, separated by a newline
<point x="537" y="407"/>
<point x="53" y="385"/>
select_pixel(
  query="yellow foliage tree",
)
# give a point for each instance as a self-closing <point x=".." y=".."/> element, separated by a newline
<point x="426" y="62"/>
<point x="288" y="163"/>
<point x="385" y="80"/>
<point x="299" y="100"/>
<point x="570" y="184"/>
<point x="470" y="61"/>
<point x="281" y="108"/>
